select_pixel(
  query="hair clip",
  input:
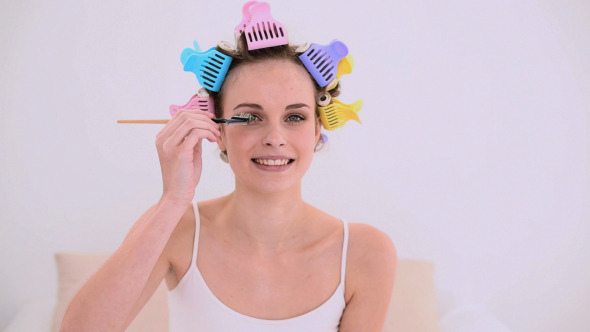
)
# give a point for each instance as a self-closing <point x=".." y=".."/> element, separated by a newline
<point x="263" y="31"/>
<point x="321" y="61"/>
<point x="246" y="17"/>
<point x="190" y="51"/>
<point x="324" y="99"/>
<point x="336" y="114"/>
<point x="344" y="67"/>
<point x="302" y="48"/>
<point x="201" y="101"/>
<point x="227" y="46"/>
<point x="210" y="67"/>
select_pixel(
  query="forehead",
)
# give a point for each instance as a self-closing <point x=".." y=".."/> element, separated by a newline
<point x="269" y="81"/>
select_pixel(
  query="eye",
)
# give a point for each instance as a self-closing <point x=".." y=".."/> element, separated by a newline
<point x="253" y="117"/>
<point x="295" y="118"/>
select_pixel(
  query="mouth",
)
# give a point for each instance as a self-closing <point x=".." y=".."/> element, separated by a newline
<point x="272" y="162"/>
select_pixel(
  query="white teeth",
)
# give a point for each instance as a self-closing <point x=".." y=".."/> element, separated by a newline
<point x="271" y="162"/>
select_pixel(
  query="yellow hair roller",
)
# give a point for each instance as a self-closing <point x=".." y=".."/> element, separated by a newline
<point x="344" y="67"/>
<point x="336" y="114"/>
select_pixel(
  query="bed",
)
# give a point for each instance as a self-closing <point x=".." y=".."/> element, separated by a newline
<point x="416" y="305"/>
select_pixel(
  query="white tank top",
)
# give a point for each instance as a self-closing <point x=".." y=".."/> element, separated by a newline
<point x="194" y="307"/>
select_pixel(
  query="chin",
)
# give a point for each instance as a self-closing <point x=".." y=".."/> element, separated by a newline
<point x="266" y="180"/>
<point x="270" y="187"/>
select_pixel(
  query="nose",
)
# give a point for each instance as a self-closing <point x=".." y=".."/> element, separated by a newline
<point x="274" y="135"/>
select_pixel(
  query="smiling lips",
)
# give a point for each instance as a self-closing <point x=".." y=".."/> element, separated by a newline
<point x="272" y="162"/>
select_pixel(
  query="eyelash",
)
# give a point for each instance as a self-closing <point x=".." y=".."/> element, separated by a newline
<point x="299" y="118"/>
<point x="290" y="118"/>
<point x="253" y="117"/>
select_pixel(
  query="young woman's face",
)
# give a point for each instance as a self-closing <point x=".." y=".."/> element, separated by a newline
<point x="273" y="152"/>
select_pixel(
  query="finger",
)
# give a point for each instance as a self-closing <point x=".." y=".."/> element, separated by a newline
<point x="195" y="136"/>
<point x="179" y="118"/>
<point x="204" y="128"/>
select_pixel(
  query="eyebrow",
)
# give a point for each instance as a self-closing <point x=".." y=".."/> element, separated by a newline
<point x="259" y="108"/>
<point x="296" y="106"/>
<point x="254" y="106"/>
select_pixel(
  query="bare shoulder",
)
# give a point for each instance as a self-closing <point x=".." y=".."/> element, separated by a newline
<point x="366" y="241"/>
<point x="370" y="273"/>
<point x="180" y="246"/>
<point x="209" y="209"/>
<point x="371" y="255"/>
<point x="185" y="226"/>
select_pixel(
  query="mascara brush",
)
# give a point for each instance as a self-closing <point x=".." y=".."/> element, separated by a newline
<point x="236" y="119"/>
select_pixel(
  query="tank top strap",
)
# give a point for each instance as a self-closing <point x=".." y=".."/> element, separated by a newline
<point x="344" y="252"/>
<point x="197" y="229"/>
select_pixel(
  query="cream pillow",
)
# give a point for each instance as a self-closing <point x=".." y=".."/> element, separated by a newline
<point x="413" y="306"/>
<point x="73" y="271"/>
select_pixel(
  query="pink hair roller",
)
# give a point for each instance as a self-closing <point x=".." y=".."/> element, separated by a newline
<point x="246" y="16"/>
<point x="263" y="31"/>
<point x="201" y="101"/>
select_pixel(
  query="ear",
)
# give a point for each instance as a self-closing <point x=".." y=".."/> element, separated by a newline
<point x="220" y="140"/>
<point x="318" y="130"/>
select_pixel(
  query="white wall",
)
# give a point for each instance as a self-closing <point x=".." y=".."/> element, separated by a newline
<point x="473" y="152"/>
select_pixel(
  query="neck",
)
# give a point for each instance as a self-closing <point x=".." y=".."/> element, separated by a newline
<point x="267" y="223"/>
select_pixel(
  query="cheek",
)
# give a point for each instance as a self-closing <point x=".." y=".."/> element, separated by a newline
<point x="306" y="139"/>
<point x="236" y="140"/>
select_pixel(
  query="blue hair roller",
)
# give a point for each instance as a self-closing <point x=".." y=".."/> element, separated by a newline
<point x="210" y="67"/>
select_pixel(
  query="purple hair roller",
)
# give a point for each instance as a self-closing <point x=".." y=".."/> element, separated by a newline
<point x="322" y="61"/>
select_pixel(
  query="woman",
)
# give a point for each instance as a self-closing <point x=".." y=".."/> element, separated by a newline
<point x="260" y="258"/>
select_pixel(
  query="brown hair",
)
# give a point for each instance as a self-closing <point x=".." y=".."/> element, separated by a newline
<point x="242" y="56"/>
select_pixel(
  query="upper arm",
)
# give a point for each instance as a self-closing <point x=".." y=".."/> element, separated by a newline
<point x="370" y="272"/>
<point x="163" y="269"/>
<point x="155" y="278"/>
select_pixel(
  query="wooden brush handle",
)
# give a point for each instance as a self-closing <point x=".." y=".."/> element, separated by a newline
<point x="143" y="121"/>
